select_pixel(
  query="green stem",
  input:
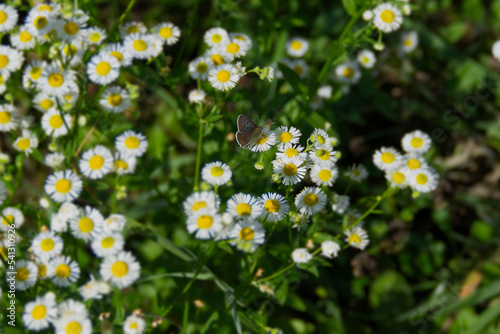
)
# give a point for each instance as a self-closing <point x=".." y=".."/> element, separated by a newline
<point x="198" y="158"/>
<point x="19" y="173"/>
<point x="290" y="266"/>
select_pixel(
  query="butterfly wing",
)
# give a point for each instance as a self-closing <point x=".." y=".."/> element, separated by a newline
<point x="248" y="131"/>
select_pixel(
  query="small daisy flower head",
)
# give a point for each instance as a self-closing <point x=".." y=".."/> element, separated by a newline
<point x="26" y="274"/>
<point x="44" y="102"/>
<point x="291" y="170"/>
<point x="216" y="36"/>
<point x="118" y="51"/>
<point x="340" y="203"/>
<point x="58" y="223"/>
<point x="133" y="27"/>
<point x="46" y="245"/>
<point x="200" y="67"/>
<point x="321" y="139"/>
<point x="357" y="237"/>
<point x="324" y="157"/>
<point x="26" y="143"/>
<point x="297" y="47"/>
<point x="8" y="117"/>
<point x="325" y="92"/>
<point x="247" y="235"/>
<point x="323" y="176"/>
<point x="495" y="49"/>
<point x="330" y="249"/>
<point x="8" y="18"/>
<point x="103" y="69"/>
<point x="96" y="162"/>
<point x="54" y="124"/>
<point x="367" y="15"/>
<point x="366" y="58"/>
<point x="139" y="46"/>
<point x="218" y="55"/>
<point x="197" y="96"/>
<point x="223" y="77"/>
<point x="72" y="52"/>
<point x="200" y="200"/>
<point x="121" y="269"/>
<point x="348" y="72"/>
<point x="286" y="135"/>
<point x="124" y="164"/>
<point x="39" y="23"/>
<point x="57" y="81"/>
<point x="216" y="173"/>
<point x="414" y="161"/>
<point x="72" y="307"/>
<point x="87" y="225"/>
<point x="68" y="210"/>
<point x="74" y="323"/>
<point x="107" y="243"/>
<point x="63" y="271"/>
<point x="409" y="41"/>
<point x="275" y="207"/>
<point x="40" y="313"/>
<point x="237" y="48"/>
<point x="94" y="289"/>
<point x="416" y="142"/>
<point x="423" y="180"/>
<point x="387" y="158"/>
<point x="10" y="60"/>
<point x="95" y="35"/>
<point x="167" y="33"/>
<point x="63" y="186"/>
<point x="241" y="37"/>
<point x="357" y="173"/>
<point x="301" y="255"/>
<point x="299" y="220"/>
<point x="266" y="140"/>
<point x="242" y="206"/>
<point x="71" y="29"/>
<point x="11" y="216"/>
<point x="299" y="66"/>
<point x="23" y="39"/>
<point x="115" y="223"/>
<point x="131" y="143"/>
<point x="290" y="150"/>
<point x="387" y="17"/>
<point x="204" y="223"/>
<point x="115" y="99"/>
<point x="398" y="177"/>
<point x="310" y="200"/>
<point x="134" y="325"/>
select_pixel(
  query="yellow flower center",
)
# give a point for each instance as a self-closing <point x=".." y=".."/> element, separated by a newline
<point x="348" y="72"/>
<point x="39" y="312"/>
<point x="296" y="45"/>
<point x="42" y="271"/>
<point x="22" y="274"/>
<point x="140" y="45"/>
<point x="233" y="48"/>
<point x="387" y="16"/>
<point x="56" y="121"/>
<point x="134" y="325"/>
<point x="132" y="142"/>
<point x="103" y="68"/>
<point x="290" y="169"/>
<point x="244" y="209"/>
<point x="223" y="76"/>
<point x="311" y="199"/>
<point x="5" y="117"/>
<point x="272" y="206"/>
<point x="25" y="37"/>
<point x="2" y="79"/>
<point x="408" y="42"/>
<point x="166" y="32"/>
<point x="204" y="221"/>
<point x="86" y="225"/>
<point x="4" y="61"/>
<point x="199" y="205"/>
<point x="421" y="179"/>
<point x="8" y="219"/>
<point x="365" y="60"/>
<point x="40" y="22"/>
<point x="201" y="68"/>
<point x="63" y="270"/>
<point x="354" y="239"/>
<point x="95" y="37"/>
<point x="216" y="38"/>
<point x="24" y="144"/>
<point x="115" y="100"/>
<point x="45" y="7"/>
<point x="216" y="171"/>
<point x="285" y="137"/>
<point x="56" y="80"/>
<point x="71" y="28"/>
<point x="35" y="72"/>
<point x="132" y="29"/>
<point x="416" y="142"/>
<point x="47" y="245"/>
<point x="217" y="59"/>
<point x="46" y="104"/>
<point x="398" y="177"/>
<point x="121" y="164"/>
<point x="96" y="162"/>
<point x="325" y="175"/>
<point x="73" y="327"/>
<point x="70" y="50"/>
<point x="107" y="242"/>
<point x="298" y="69"/>
<point x="63" y="186"/>
<point x="291" y="152"/>
<point x="246" y="234"/>
<point x="262" y="139"/>
<point x="117" y="55"/>
<point x="413" y="164"/>
<point x="323" y="154"/>
<point x="119" y="269"/>
<point x="3" y="17"/>
<point x="321" y="139"/>
<point x="387" y="157"/>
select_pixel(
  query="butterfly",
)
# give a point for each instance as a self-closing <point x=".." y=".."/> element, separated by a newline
<point x="248" y="132"/>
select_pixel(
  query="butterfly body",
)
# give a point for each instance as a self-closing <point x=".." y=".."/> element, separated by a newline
<point x="248" y="132"/>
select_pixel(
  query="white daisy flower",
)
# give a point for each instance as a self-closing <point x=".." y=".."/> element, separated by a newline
<point x="63" y="186"/>
<point x="199" y="68"/>
<point x="357" y="172"/>
<point x="299" y="66"/>
<point x="72" y="307"/>
<point x="107" y="243"/>
<point x="26" y="274"/>
<point x="387" y="158"/>
<point x="299" y="220"/>
<point x="94" y="289"/>
<point x="11" y="216"/>
<point x="223" y="77"/>
<point x="357" y="237"/>
<point x="416" y="142"/>
<point x="53" y="123"/>
<point x="323" y="176"/>
<point x="290" y="170"/>
<point x="133" y="27"/>
<point x="44" y="102"/>
<point x="197" y="96"/>
<point x="237" y="48"/>
<point x="134" y="325"/>
<point x="301" y="255"/>
<point x="26" y="142"/>
<point x="71" y="52"/>
<point x="275" y="207"/>
<point x="115" y="223"/>
<point x="94" y="35"/>
<point x="40" y="313"/>
<point x="130" y="143"/>
<point x="39" y="23"/>
<point x="87" y="225"/>
<point x="423" y="180"/>
<point x="167" y="32"/>
<point x="204" y="223"/>
<point x="58" y="223"/>
<point x="348" y="72"/>
<point x="121" y="269"/>
<point x="103" y="69"/>
<point x="247" y="235"/>
<point x="387" y="17"/>
<point x="366" y="58"/>
<point x="310" y="200"/>
<point x="124" y="164"/>
<point x="367" y="15"/>
<point x="8" y="18"/>
<point x="241" y="37"/>
<point x="63" y="271"/>
<point x="414" y="161"/>
<point x="23" y="40"/>
<point x="321" y="139"/>
<point x="266" y="140"/>
<point x="244" y="206"/>
<point x="330" y="249"/>
<point x="218" y="55"/>
<point x="139" y="46"/>
<point x="74" y="323"/>
<point x="118" y="51"/>
<point x="290" y="150"/>
<point x="325" y="92"/>
<point x="8" y="117"/>
<point x="3" y="80"/>
<point x="10" y="59"/>
<point x="324" y="157"/>
<point x="288" y="135"/>
<point x="199" y="200"/>
<point x="409" y="41"/>
<point x="216" y="36"/>
<point x="398" y="177"/>
<point x="68" y="210"/>
<point x="297" y="47"/>
<point x="46" y="245"/>
<point x="71" y="29"/>
<point x="57" y="81"/>
<point x="96" y="162"/>
<point x="115" y="99"/>
<point x="216" y="173"/>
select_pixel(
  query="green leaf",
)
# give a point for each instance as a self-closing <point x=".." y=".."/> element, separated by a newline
<point x="489" y="316"/>
<point x="350" y="6"/>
